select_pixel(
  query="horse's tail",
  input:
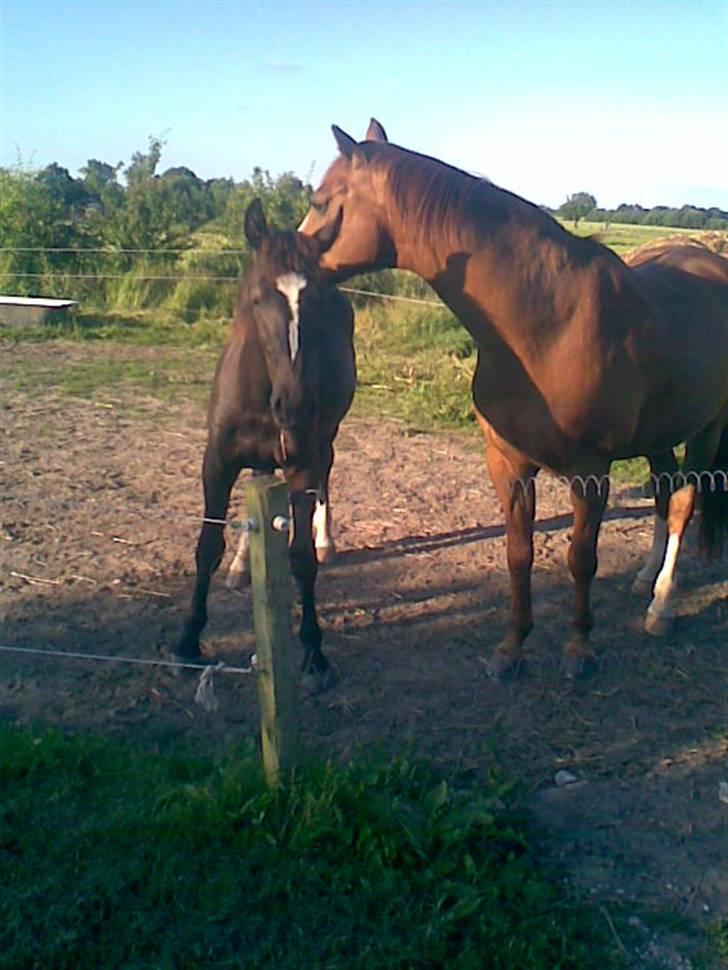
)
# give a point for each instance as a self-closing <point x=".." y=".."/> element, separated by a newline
<point x="714" y="503"/>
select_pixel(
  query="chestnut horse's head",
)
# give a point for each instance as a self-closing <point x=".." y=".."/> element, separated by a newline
<point x="284" y="299"/>
<point x="353" y="187"/>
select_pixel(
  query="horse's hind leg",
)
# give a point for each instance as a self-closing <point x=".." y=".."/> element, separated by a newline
<point x="304" y="566"/>
<point x="662" y="469"/>
<point x="513" y="478"/>
<point x="238" y="574"/>
<point x="218" y="478"/>
<point x="589" y="498"/>
<point x="699" y="455"/>
<point x="324" y="543"/>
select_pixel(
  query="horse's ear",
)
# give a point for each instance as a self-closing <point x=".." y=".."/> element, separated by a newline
<point x="375" y="132"/>
<point x="326" y="235"/>
<point x="256" y="228"/>
<point x="347" y="145"/>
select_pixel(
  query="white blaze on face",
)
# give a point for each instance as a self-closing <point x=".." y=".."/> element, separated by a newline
<point x="290" y="285"/>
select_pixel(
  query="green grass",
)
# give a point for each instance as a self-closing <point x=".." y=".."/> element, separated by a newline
<point x="121" y="361"/>
<point x="719" y="940"/>
<point x="143" y="328"/>
<point x="177" y="377"/>
<point x="115" y="858"/>
<point x="624" y="237"/>
<point x="415" y="364"/>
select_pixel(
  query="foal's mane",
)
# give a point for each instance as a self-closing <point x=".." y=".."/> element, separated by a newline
<point x="290" y="251"/>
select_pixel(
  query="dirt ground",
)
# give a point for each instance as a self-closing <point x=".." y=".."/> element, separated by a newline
<point x="99" y="503"/>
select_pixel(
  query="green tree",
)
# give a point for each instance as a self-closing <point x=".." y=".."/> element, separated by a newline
<point x="577" y="206"/>
<point x="285" y="200"/>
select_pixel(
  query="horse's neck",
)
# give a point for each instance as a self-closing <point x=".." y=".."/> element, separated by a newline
<point x="253" y="380"/>
<point x="509" y="274"/>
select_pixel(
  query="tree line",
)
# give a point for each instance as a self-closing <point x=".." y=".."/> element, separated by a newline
<point x="583" y="205"/>
<point x="130" y="236"/>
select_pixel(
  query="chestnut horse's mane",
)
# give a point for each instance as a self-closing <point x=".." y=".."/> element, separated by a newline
<point x="439" y="198"/>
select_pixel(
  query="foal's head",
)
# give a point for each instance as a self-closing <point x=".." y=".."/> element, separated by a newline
<point x="285" y="302"/>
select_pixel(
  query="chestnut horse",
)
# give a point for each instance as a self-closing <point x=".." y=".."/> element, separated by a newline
<point x="283" y="383"/>
<point x="581" y="358"/>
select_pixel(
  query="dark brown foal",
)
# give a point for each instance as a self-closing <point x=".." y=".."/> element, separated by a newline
<point x="284" y="381"/>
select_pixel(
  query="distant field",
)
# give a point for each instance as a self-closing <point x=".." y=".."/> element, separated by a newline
<point x="623" y="237"/>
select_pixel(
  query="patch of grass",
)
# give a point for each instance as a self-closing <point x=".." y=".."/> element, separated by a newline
<point x="630" y="470"/>
<point x="173" y="374"/>
<point x="115" y="858"/>
<point x="415" y="364"/>
<point x="622" y="237"/>
<point x="144" y="328"/>
<point x="719" y="939"/>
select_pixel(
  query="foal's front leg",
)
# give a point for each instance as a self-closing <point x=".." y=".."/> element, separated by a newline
<point x="304" y="566"/>
<point x="323" y="541"/>
<point x="218" y="478"/>
<point x="513" y="476"/>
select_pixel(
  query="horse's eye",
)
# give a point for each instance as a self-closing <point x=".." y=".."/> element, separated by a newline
<point x="319" y="205"/>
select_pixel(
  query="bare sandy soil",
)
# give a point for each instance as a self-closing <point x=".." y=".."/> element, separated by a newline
<point x="99" y="508"/>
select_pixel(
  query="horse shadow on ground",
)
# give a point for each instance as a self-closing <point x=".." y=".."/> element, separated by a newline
<point x="407" y="633"/>
<point x="443" y="540"/>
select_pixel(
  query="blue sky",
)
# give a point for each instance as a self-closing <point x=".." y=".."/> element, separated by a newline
<point x="627" y="99"/>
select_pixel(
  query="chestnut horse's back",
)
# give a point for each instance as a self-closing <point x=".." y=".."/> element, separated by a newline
<point x="694" y="260"/>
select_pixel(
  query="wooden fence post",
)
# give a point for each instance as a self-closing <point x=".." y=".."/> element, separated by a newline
<point x="267" y="497"/>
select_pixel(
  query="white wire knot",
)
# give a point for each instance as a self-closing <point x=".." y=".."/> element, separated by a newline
<point x="205" y="694"/>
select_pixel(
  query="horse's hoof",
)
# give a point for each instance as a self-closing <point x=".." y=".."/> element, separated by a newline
<point x="658" y="626"/>
<point x="579" y="666"/>
<point x="325" y="555"/>
<point x="237" y="579"/>
<point x="642" y="587"/>
<point x="504" y="666"/>
<point x="317" y="681"/>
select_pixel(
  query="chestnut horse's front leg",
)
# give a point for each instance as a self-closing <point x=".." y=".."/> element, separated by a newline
<point x="589" y="496"/>
<point x="513" y="476"/>
<point x="218" y="478"/>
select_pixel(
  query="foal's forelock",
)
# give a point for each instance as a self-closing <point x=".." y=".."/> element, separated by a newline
<point x="291" y="285"/>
